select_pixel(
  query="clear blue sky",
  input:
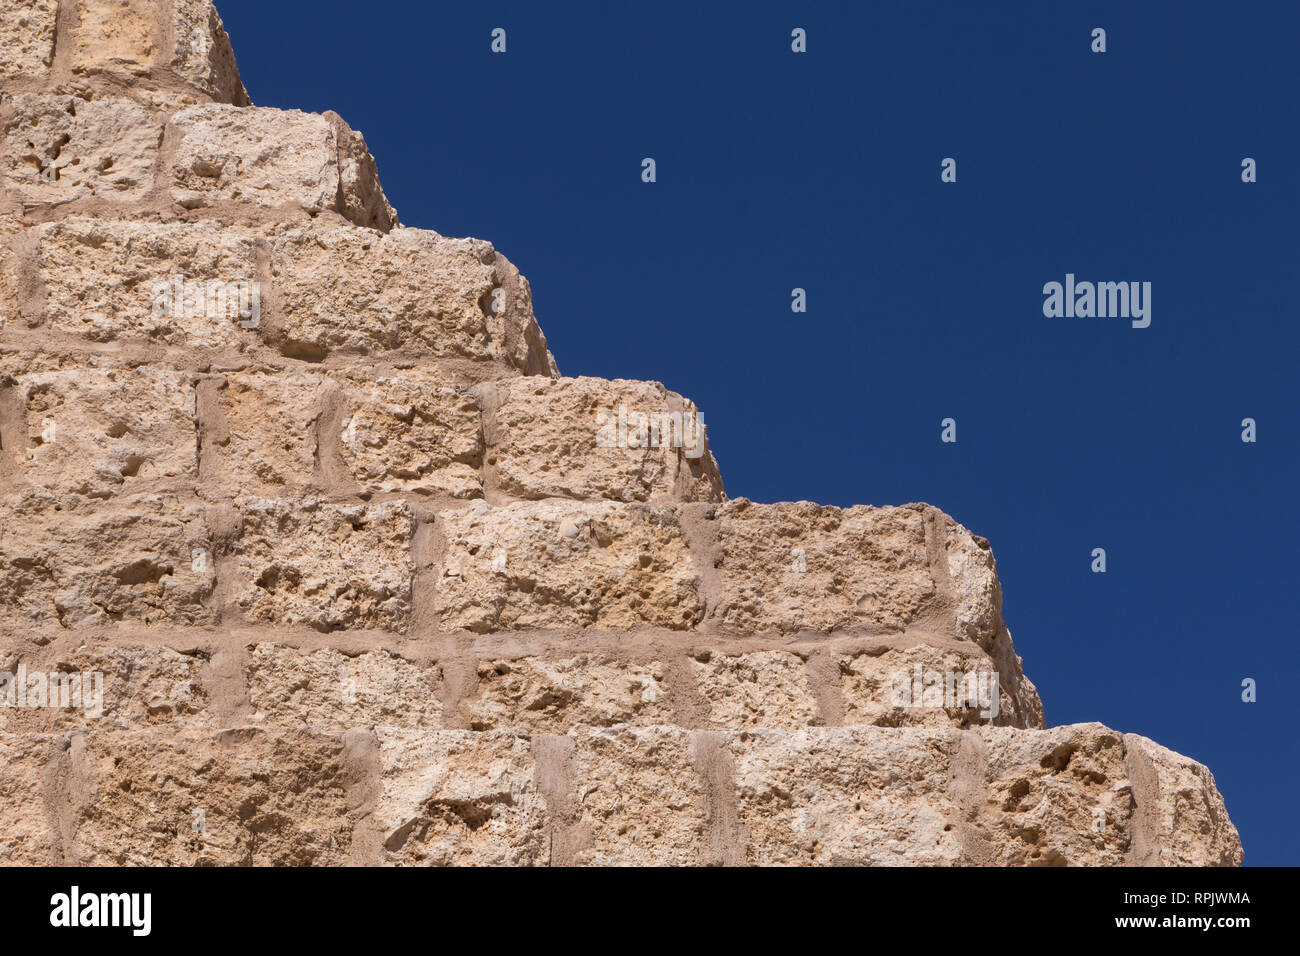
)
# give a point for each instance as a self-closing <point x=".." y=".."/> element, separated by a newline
<point x="821" y="171"/>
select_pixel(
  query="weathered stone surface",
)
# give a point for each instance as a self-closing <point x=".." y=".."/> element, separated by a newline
<point x="863" y="566"/>
<point x="640" y="800"/>
<point x="58" y="149"/>
<point x="27" y="32"/>
<point x="100" y="433"/>
<point x="592" y="438"/>
<point x="110" y="281"/>
<point x="267" y="157"/>
<point x="267" y="439"/>
<point x="1058" y="797"/>
<point x="408" y="432"/>
<point x="71" y="562"/>
<point x="27" y="837"/>
<point x="242" y="797"/>
<point x="859" y="795"/>
<point x="889" y="689"/>
<point x="330" y="567"/>
<point x="759" y="689"/>
<point x="111" y="687"/>
<point x="554" y="696"/>
<point x="229" y="411"/>
<point x="203" y="57"/>
<point x="1180" y="819"/>
<point x="116" y="36"/>
<point x="565" y="564"/>
<point x="329" y="691"/>
<point x="410" y="289"/>
<point x="460" y="798"/>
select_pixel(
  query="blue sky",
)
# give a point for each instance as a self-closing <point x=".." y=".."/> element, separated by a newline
<point x="822" y="171"/>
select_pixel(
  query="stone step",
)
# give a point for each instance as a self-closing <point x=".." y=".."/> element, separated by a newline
<point x="623" y="795"/>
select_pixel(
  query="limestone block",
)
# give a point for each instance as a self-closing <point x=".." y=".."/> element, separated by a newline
<point x="537" y="695"/>
<point x="112" y="281"/>
<point x="104" y="432"/>
<point x="791" y="566"/>
<point x="26" y="836"/>
<point x="327" y="566"/>
<point x="456" y="797"/>
<point x="565" y="564"/>
<point x="267" y="441"/>
<point x="75" y="562"/>
<point x="27" y="35"/>
<point x="758" y="689"/>
<point x="242" y="797"/>
<point x="592" y="438"/>
<point x="329" y="691"/>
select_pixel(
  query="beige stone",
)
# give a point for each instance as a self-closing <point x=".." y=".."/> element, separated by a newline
<point x="71" y="562"/>
<point x="241" y="797"/>
<point x="203" y="57"/>
<point x="1180" y="819"/>
<point x="265" y="157"/>
<point x="116" y="36"/>
<point x="362" y="197"/>
<point x="863" y="566"/>
<point x="326" y="566"/>
<point x="104" y="432"/>
<point x="456" y="797"/>
<point x="759" y="689"/>
<point x="855" y="795"/>
<point x="410" y="289"/>
<point x="112" y="687"/>
<point x="408" y="432"/>
<point x="640" y="800"/>
<point x="1057" y="797"/>
<point x="537" y="695"/>
<point x="27" y="35"/>
<point x="27" y="837"/>
<point x="59" y="149"/>
<point x="888" y="688"/>
<point x="592" y="438"/>
<point x="329" y="691"/>
<point x="565" y="564"/>
<point x="113" y="281"/>
<point x="267" y="442"/>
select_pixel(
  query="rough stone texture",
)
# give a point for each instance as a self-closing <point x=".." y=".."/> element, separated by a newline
<point x="641" y="801"/>
<point x="59" y="149"/>
<point x="26" y="838"/>
<point x="408" y="289"/>
<point x="267" y="440"/>
<point x="329" y="691"/>
<point x="366" y="582"/>
<point x="860" y="795"/>
<point x="202" y="56"/>
<point x="268" y="157"/>
<point x="73" y="562"/>
<point x="460" y="798"/>
<point x="536" y="695"/>
<point x="1180" y="814"/>
<point x="329" y="567"/>
<point x="760" y="689"/>
<point x="564" y="564"/>
<point x="101" y="280"/>
<point x="100" y="433"/>
<point x="562" y="439"/>
<point x="265" y="798"/>
<point x="863" y="566"/>
<point x="140" y="687"/>
<point x="407" y="432"/>
<point x="27" y="31"/>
